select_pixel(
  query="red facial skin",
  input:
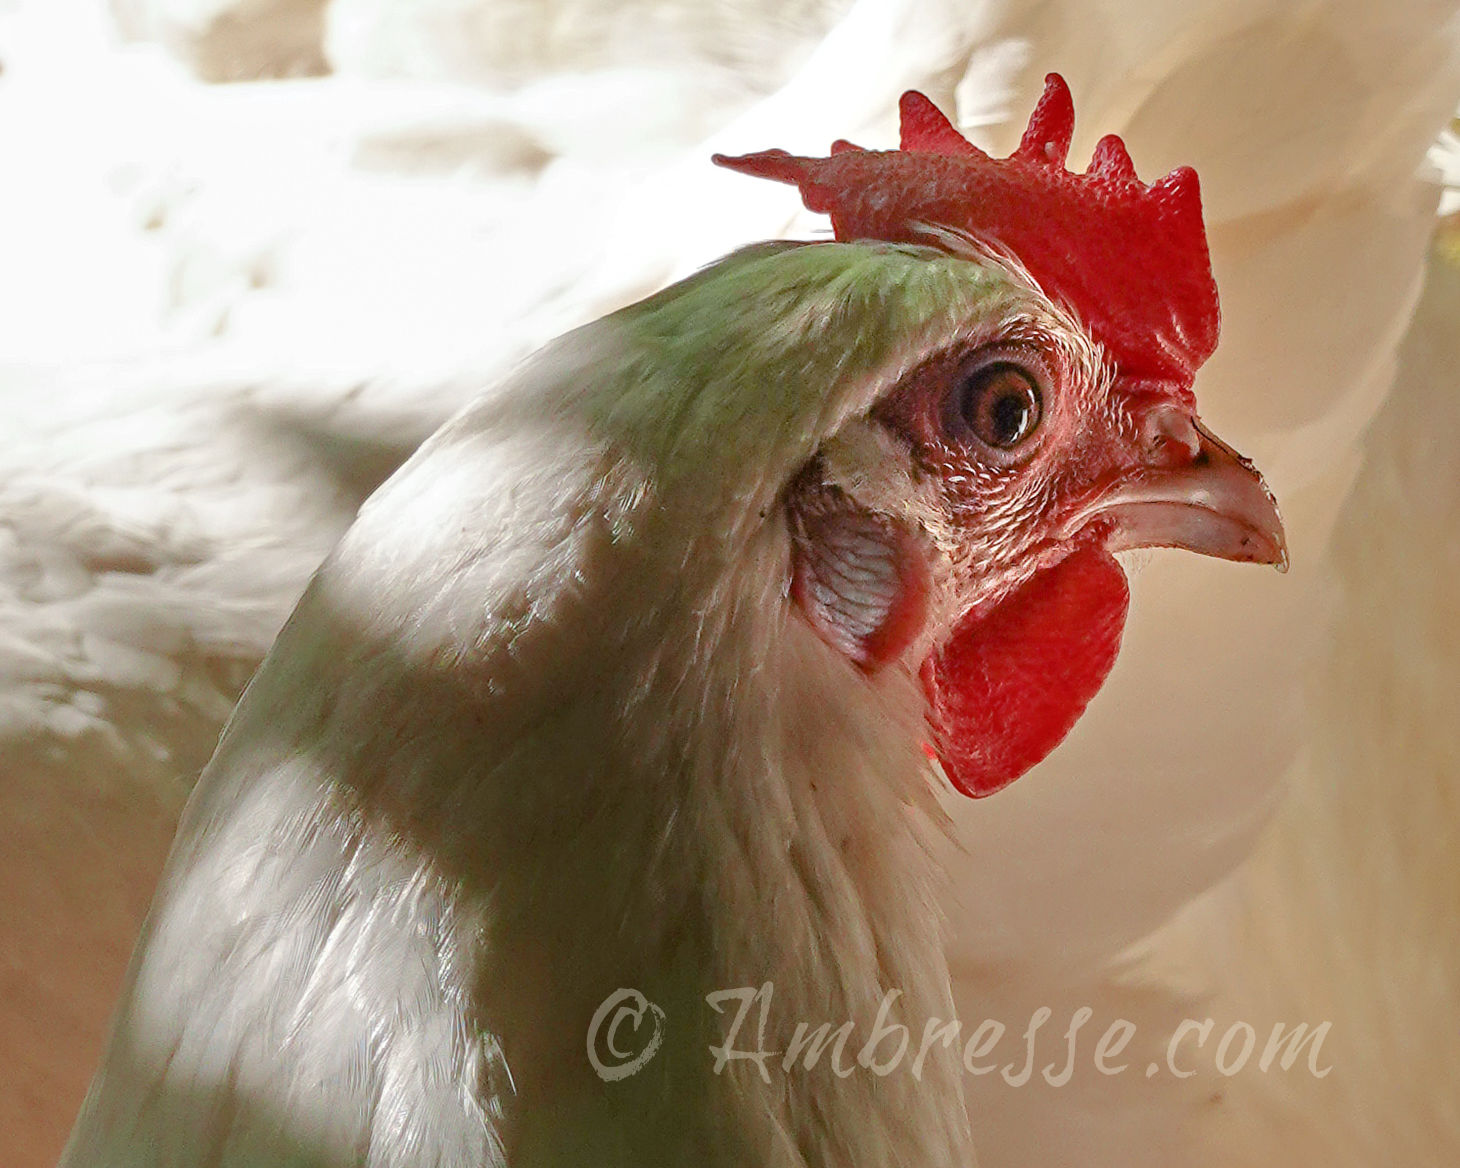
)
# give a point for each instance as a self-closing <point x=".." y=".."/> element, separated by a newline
<point x="1020" y="666"/>
<point x="1130" y="262"/>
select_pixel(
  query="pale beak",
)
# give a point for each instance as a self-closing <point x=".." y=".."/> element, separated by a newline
<point x="1193" y="492"/>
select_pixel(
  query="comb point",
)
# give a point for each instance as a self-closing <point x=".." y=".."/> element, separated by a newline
<point x="779" y="165"/>
<point x="1046" y="141"/>
<point x="1111" y="160"/>
<point x="1180" y="194"/>
<point x="926" y="128"/>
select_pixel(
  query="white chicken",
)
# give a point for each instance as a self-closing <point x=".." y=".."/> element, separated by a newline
<point x="164" y="513"/>
<point x="615" y="684"/>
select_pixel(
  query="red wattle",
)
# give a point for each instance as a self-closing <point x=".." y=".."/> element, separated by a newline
<point x="1010" y="682"/>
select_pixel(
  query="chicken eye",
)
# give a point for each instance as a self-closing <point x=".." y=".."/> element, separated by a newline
<point x="1000" y="403"/>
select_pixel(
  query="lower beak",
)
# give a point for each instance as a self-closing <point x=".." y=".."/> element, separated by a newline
<point x="1208" y="499"/>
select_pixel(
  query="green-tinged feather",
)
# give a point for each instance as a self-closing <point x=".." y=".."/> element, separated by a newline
<point x="735" y="363"/>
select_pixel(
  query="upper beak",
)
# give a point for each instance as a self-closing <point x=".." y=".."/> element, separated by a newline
<point x="1192" y="491"/>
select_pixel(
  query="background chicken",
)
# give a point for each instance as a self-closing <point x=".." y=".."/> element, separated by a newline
<point x="240" y="369"/>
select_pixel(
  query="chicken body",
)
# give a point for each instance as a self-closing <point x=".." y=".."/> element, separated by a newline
<point x="1058" y="874"/>
<point x="621" y="684"/>
<point x="543" y="726"/>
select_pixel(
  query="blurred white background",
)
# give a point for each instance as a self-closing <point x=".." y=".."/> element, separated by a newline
<point x="253" y="251"/>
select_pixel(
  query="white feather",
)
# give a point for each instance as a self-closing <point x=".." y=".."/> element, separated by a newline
<point x="364" y="253"/>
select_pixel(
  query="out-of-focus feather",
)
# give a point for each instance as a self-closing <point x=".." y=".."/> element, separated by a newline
<point x="1319" y="225"/>
<point x="1344" y="912"/>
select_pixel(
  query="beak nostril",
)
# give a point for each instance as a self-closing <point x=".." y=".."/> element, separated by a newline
<point x="1169" y="437"/>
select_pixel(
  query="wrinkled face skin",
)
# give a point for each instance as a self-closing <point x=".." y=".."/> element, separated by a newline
<point x="1029" y="460"/>
<point x="1015" y="427"/>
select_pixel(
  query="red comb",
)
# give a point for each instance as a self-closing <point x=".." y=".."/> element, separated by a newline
<point x="1130" y="259"/>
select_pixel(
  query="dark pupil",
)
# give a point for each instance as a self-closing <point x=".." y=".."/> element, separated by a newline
<point x="1011" y="418"/>
<point x="1002" y="406"/>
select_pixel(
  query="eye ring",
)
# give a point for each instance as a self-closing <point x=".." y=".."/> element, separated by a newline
<point x="997" y="401"/>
